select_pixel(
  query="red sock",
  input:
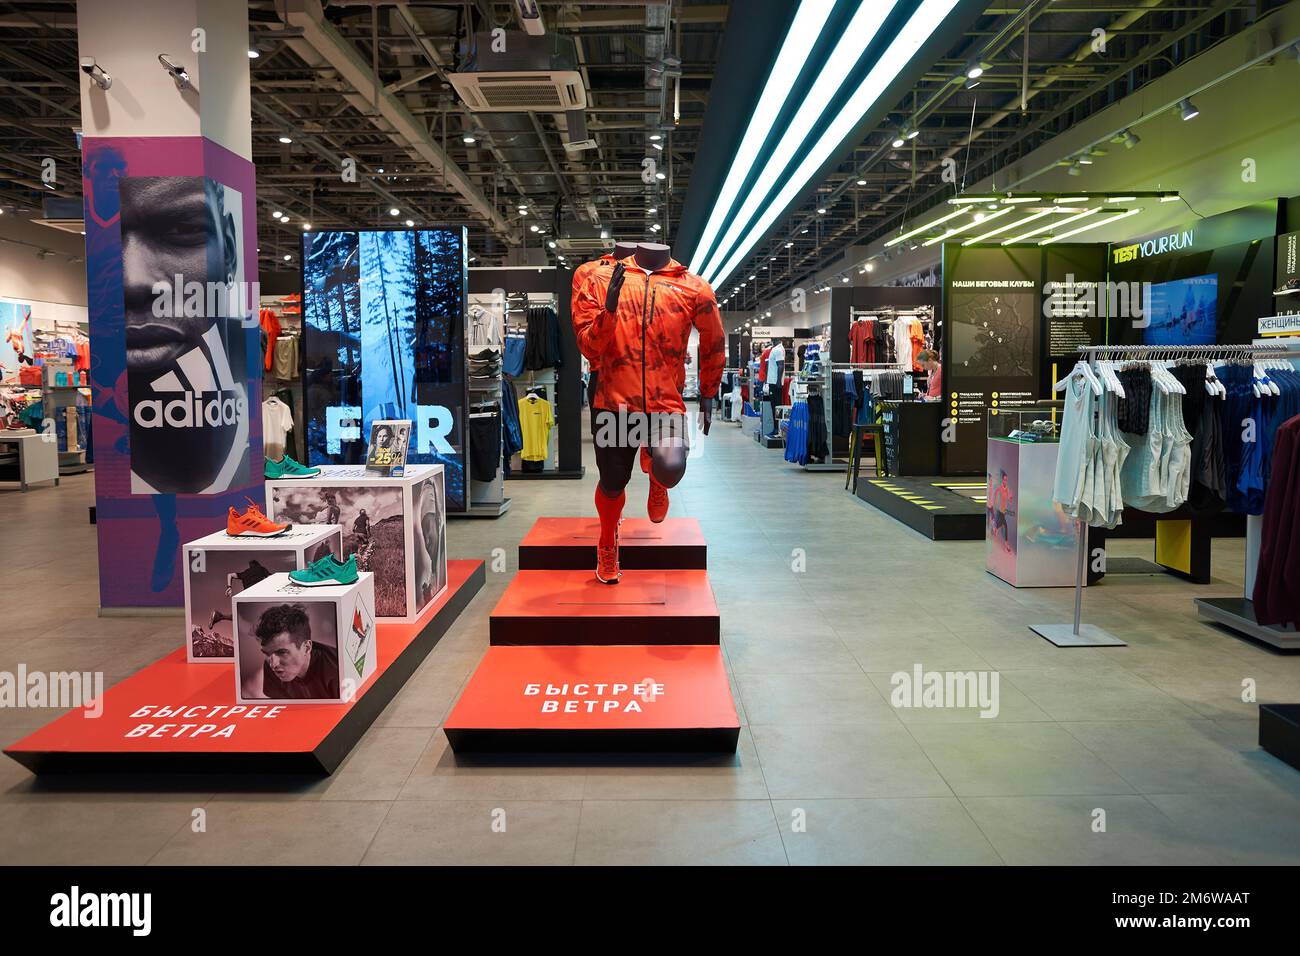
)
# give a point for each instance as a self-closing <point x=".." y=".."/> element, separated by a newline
<point x="610" y="510"/>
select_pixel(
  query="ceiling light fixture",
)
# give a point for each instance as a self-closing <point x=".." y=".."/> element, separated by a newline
<point x="1009" y="226"/>
<point x="1091" y="225"/>
<point x="928" y="226"/>
<point x="286" y="140"/>
<point x="410" y="222"/>
<point x="1130" y="139"/>
<point x="1188" y="110"/>
<point x="1051" y="225"/>
<point x="862" y="182"/>
<point x="957" y="230"/>
<point x="899" y="142"/>
<point x="809" y="21"/>
<point x="857" y="35"/>
<point x="394" y="211"/>
<point x="253" y="54"/>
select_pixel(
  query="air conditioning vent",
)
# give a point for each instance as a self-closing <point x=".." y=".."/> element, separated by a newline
<point x="516" y="73"/>
<point x="583" y="244"/>
<point x="520" y="92"/>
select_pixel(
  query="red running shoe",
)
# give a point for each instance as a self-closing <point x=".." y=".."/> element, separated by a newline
<point x="646" y="460"/>
<point x="253" y="524"/>
<point x="656" y="504"/>
<point x="607" y="571"/>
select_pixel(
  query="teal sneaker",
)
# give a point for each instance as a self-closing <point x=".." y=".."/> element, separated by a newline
<point x="325" y="572"/>
<point x="286" y="467"/>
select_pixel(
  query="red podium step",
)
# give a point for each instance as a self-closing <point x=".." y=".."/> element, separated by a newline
<point x="572" y="607"/>
<point x="666" y="698"/>
<point x="561" y="544"/>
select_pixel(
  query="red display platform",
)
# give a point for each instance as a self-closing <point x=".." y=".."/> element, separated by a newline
<point x="666" y="698"/>
<point x="572" y="607"/>
<point x="569" y="544"/>
<point x="202" y="728"/>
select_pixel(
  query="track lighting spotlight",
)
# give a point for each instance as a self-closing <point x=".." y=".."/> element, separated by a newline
<point x="1188" y="109"/>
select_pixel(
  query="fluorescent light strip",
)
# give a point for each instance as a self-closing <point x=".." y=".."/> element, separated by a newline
<point x="1122" y="199"/>
<point x="804" y="31"/>
<point x="1008" y="226"/>
<point x="910" y="39"/>
<point x="1011" y="201"/>
<point x="1052" y="225"/>
<point x="970" y="200"/>
<point x="1091" y="225"/>
<point x="970" y="225"/>
<point x="1071" y="199"/>
<point x="858" y="34"/>
<point x="926" y="228"/>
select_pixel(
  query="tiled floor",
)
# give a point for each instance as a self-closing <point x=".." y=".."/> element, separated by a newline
<point x="1143" y="754"/>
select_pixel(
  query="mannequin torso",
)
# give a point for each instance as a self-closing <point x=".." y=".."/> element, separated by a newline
<point x="652" y="256"/>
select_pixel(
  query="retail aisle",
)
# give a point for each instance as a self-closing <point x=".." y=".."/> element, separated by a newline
<point x="1156" y="735"/>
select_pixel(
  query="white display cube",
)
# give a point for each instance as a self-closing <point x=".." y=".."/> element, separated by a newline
<point x="304" y="645"/>
<point x="217" y="567"/>
<point x="401" y="537"/>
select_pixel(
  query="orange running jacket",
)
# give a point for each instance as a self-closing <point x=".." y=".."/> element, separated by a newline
<point x="641" y="349"/>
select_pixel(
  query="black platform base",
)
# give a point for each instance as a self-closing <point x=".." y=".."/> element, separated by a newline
<point x="936" y="512"/>
<point x="711" y="740"/>
<point x="1279" y="731"/>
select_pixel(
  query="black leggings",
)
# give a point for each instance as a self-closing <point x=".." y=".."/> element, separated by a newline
<point x="615" y="461"/>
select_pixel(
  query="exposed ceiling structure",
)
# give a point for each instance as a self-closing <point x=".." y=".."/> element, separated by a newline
<point x="372" y="81"/>
<point x="1044" y="67"/>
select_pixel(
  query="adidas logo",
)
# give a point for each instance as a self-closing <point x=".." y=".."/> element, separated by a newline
<point x="208" y="397"/>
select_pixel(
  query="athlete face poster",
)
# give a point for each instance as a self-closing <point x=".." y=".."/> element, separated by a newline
<point x="384" y="338"/>
<point x="182" y="269"/>
<point x="170" y="230"/>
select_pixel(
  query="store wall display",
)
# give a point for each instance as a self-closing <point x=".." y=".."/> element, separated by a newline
<point x="1183" y="312"/>
<point x="1210" y="280"/>
<point x="993" y="315"/>
<point x="217" y="567"/>
<point x="168" y="219"/>
<point x="384" y="338"/>
<point x="297" y="645"/>
<point x="395" y="526"/>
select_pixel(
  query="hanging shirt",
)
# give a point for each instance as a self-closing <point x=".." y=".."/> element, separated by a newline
<point x="862" y="341"/>
<point x="762" y="365"/>
<point x="775" y="361"/>
<point x="277" y="422"/>
<point x="270" y="323"/>
<point x="535" y="420"/>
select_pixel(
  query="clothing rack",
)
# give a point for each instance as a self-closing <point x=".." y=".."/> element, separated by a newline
<point x="1090" y="635"/>
<point x="1238" y="612"/>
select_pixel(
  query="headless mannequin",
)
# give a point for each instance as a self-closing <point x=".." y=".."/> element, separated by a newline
<point x="624" y="249"/>
<point x="667" y="463"/>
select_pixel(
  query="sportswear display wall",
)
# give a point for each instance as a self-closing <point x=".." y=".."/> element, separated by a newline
<point x="552" y="363"/>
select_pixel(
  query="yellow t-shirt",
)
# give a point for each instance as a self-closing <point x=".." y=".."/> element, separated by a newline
<point x="535" y="420"/>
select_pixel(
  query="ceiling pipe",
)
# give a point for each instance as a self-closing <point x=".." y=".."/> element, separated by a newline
<point x="321" y="37"/>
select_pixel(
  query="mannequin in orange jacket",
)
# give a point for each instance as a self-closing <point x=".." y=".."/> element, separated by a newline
<point x="638" y="340"/>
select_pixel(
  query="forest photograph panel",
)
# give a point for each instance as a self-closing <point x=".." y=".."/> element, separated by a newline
<point x="383" y="329"/>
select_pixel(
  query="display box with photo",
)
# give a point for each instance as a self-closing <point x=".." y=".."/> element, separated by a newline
<point x="397" y="527"/>
<point x="218" y="567"/>
<point x="304" y="645"/>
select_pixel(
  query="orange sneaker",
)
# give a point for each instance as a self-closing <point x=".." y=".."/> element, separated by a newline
<point x="656" y="504"/>
<point x="607" y="571"/>
<point x="253" y="524"/>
